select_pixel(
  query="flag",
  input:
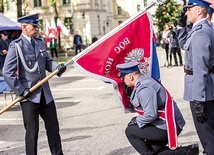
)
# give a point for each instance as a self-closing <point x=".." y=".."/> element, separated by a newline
<point x="47" y="26"/>
<point x="131" y="41"/>
<point x="62" y="28"/>
<point x="52" y="30"/>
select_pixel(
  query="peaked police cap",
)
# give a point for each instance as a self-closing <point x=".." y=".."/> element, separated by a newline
<point x="193" y="3"/>
<point x="32" y="19"/>
<point x="129" y="67"/>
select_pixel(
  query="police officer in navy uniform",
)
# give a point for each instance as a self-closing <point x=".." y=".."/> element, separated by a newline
<point x="26" y="64"/>
<point x="147" y="133"/>
<point x="198" y="44"/>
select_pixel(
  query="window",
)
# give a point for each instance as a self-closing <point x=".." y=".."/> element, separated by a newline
<point x="119" y="10"/>
<point x="9" y="5"/>
<point x="119" y="22"/>
<point x="145" y="3"/>
<point x="37" y="3"/>
<point x="96" y="4"/>
<point x="99" y="26"/>
<point x="68" y="23"/>
<point x="138" y="8"/>
<point x="66" y="2"/>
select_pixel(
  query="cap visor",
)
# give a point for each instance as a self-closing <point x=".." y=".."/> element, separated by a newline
<point x="38" y="25"/>
<point x="188" y="6"/>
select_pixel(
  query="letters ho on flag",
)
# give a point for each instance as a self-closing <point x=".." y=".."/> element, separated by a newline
<point x="131" y="41"/>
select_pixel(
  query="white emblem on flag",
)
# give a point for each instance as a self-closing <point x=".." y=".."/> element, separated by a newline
<point x="137" y="54"/>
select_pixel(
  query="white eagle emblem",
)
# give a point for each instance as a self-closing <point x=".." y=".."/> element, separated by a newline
<point x="137" y="54"/>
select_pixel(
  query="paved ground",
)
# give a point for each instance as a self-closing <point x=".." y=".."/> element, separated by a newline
<point x="92" y="121"/>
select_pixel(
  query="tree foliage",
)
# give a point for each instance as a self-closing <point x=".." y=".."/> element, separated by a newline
<point x="167" y="13"/>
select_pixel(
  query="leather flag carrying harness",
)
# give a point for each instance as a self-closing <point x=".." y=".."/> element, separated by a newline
<point x="169" y="116"/>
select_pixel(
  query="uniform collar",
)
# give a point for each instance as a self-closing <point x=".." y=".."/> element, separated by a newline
<point x="28" y="38"/>
<point x="198" y="22"/>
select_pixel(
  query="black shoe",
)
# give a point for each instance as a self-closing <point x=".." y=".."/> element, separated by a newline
<point x="187" y="150"/>
<point x="169" y="65"/>
<point x="192" y="149"/>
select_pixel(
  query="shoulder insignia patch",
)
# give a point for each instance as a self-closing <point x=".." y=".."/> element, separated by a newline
<point x="198" y="27"/>
<point x="138" y="84"/>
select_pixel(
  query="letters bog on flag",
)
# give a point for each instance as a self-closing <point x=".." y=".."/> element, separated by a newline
<point x="131" y="41"/>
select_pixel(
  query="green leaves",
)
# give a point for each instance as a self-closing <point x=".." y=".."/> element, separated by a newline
<point x="167" y="13"/>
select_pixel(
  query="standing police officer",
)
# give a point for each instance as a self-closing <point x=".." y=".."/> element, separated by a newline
<point x="198" y="44"/>
<point x="147" y="132"/>
<point x="25" y="65"/>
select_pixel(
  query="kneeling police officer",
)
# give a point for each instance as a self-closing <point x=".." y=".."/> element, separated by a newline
<point x="147" y="132"/>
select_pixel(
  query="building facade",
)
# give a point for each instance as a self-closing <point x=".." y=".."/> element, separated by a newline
<point x="88" y="17"/>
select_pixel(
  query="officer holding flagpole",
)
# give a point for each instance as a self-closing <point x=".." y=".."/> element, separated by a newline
<point x="26" y="64"/>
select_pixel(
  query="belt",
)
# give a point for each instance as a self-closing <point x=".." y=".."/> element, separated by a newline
<point x="190" y="71"/>
<point x="161" y="113"/>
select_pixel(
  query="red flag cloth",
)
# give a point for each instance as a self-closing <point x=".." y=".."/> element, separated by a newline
<point x="133" y="40"/>
<point x="170" y="122"/>
<point x="52" y="30"/>
<point x="61" y="28"/>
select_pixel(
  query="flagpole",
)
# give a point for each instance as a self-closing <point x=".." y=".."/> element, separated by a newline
<point x="118" y="28"/>
<point x="36" y="86"/>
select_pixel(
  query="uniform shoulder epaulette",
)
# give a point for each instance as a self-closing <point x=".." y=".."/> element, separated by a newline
<point x="138" y="84"/>
<point x="17" y="40"/>
<point x="12" y="44"/>
<point x="198" y="27"/>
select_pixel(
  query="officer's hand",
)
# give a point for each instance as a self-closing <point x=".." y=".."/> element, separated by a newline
<point x="127" y="90"/>
<point x="26" y="93"/>
<point x="132" y="122"/>
<point x="182" y="18"/>
<point x="199" y="111"/>
<point x="61" y="68"/>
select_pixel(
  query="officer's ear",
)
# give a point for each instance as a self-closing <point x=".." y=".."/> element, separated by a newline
<point x="24" y="25"/>
<point x="200" y="10"/>
<point x="131" y="77"/>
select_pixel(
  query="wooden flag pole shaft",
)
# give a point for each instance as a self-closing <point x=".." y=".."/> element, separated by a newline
<point x="31" y="90"/>
<point x="34" y="88"/>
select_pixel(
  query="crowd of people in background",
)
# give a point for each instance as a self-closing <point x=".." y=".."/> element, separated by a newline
<point x="167" y="39"/>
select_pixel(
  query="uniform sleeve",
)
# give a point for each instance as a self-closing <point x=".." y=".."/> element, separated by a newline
<point x="148" y="100"/>
<point x="51" y="65"/>
<point x="10" y="71"/>
<point x="181" y="34"/>
<point x="201" y="56"/>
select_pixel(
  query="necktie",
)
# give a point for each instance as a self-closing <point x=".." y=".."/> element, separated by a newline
<point x="32" y="42"/>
